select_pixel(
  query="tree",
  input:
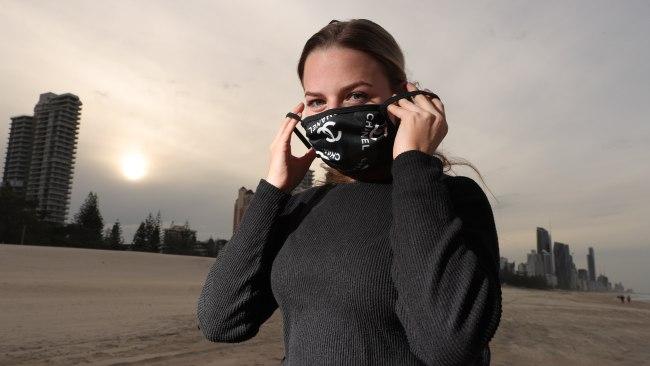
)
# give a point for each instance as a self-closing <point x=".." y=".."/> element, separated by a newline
<point x="211" y="247"/>
<point x="179" y="239"/>
<point x="147" y="237"/>
<point x="15" y="214"/>
<point x="140" y="238"/>
<point x="157" y="232"/>
<point x="90" y="220"/>
<point x="153" y="233"/>
<point x="114" y="239"/>
<point x="107" y="237"/>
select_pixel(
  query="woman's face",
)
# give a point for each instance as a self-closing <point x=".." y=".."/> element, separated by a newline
<point x="341" y="77"/>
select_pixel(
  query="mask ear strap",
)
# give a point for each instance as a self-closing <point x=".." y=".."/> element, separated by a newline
<point x="408" y="95"/>
<point x="294" y="116"/>
<point x="298" y="133"/>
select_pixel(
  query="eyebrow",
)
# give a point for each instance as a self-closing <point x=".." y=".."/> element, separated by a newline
<point x="351" y="86"/>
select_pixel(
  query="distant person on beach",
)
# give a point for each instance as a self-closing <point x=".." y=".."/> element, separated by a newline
<point x="391" y="261"/>
<point x="622" y="298"/>
<point x="629" y="298"/>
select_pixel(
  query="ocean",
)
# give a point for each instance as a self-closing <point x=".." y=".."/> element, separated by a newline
<point x="640" y="297"/>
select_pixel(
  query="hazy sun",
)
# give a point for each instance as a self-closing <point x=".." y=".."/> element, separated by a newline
<point x="134" y="166"/>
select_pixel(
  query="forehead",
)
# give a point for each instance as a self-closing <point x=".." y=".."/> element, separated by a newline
<point x="328" y="69"/>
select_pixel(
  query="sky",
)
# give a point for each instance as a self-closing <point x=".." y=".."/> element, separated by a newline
<point x="549" y="100"/>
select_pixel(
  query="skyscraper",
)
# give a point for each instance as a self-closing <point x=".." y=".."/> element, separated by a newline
<point x="534" y="264"/>
<point x="40" y="157"/>
<point x="244" y="198"/>
<point x="591" y="265"/>
<point x="563" y="265"/>
<point x="583" y="279"/>
<point x="543" y="240"/>
<point x="544" y="250"/>
<point x="19" y="153"/>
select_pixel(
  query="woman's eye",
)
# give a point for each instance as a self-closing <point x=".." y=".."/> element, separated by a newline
<point x="314" y="103"/>
<point x="358" y="96"/>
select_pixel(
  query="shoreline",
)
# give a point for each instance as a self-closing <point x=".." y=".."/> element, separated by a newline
<point x="642" y="296"/>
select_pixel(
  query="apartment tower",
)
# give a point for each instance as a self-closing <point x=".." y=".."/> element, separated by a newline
<point x="41" y="154"/>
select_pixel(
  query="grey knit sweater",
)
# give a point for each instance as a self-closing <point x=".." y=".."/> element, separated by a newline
<point x="402" y="272"/>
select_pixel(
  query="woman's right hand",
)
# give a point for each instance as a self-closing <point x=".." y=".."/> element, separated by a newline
<point x="285" y="170"/>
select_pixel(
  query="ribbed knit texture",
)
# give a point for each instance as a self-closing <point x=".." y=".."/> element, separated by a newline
<point x="403" y="272"/>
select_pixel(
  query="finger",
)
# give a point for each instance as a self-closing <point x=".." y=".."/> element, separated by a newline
<point x="420" y="99"/>
<point x="289" y="123"/>
<point x="437" y="102"/>
<point x="285" y="121"/>
<point x="439" y="105"/>
<point x="288" y="128"/>
<point x="405" y="103"/>
<point x="398" y="111"/>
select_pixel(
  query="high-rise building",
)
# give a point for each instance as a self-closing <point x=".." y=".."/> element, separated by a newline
<point x="591" y="265"/>
<point x="41" y="154"/>
<point x="573" y="275"/>
<point x="534" y="264"/>
<point x="543" y="240"/>
<point x="544" y="249"/>
<point x="549" y="271"/>
<point x="603" y="283"/>
<point x="505" y="267"/>
<point x="522" y="270"/>
<point x="583" y="279"/>
<point x="563" y="265"/>
<point x="244" y="197"/>
<point x="19" y="153"/>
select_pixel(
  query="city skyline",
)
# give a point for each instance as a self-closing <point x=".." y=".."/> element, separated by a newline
<point x="546" y="100"/>
<point x="555" y="264"/>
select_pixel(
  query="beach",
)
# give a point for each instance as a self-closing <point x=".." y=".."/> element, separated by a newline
<point x="67" y="306"/>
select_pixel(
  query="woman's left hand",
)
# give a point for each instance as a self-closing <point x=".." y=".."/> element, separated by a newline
<point x="422" y="123"/>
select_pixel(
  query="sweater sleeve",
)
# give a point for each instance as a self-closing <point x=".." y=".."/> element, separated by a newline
<point x="236" y="297"/>
<point x="445" y="272"/>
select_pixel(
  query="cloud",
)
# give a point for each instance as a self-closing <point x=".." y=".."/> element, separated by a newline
<point x="549" y="101"/>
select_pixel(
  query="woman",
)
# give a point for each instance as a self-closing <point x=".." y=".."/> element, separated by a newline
<point x="397" y="263"/>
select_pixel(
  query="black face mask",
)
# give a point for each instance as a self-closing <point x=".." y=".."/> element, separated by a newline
<point x="356" y="138"/>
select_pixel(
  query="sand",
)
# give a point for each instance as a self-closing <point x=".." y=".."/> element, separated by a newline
<point x="67" y="306"/>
